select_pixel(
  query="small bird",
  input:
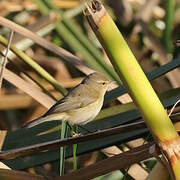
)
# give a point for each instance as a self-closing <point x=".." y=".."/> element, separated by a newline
<point x="81" y="105"/>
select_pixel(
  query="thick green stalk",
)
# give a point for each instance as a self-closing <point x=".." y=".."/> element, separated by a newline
<point x="136" y="82"/>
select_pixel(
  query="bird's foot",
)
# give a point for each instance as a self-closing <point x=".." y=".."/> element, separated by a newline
<point x="74" y="134"/>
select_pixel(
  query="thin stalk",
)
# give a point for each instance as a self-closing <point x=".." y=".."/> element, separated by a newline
<point x="62" y="149"/>
<point x="74" y="151"/>
<point x="137" y="84"/>
<point x="74" y="157"/>
<point x="169" y="17"/>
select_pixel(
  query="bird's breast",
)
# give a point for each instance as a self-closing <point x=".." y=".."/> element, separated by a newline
<point x="85" y="114"/>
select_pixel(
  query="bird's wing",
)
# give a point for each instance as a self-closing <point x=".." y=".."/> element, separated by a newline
<point x="72" y="101"/>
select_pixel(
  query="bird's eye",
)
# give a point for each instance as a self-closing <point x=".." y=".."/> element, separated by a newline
<point x="103" y="83"/>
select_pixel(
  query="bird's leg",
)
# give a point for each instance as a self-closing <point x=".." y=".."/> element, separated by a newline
<point x="74" y="134"/>
<point x="73" y="130"/>
<point x="69" y="126"/>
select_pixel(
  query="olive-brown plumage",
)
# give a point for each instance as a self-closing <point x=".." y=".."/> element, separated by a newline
<point x="81" y="105"/>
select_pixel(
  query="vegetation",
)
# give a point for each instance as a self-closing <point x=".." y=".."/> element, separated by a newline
<point x="47" y="47"/>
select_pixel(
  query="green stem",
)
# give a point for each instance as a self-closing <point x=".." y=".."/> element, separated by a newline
<point x="62" y="149"/>
<point x="74" y="157"/>
<point x="137" y="84"/>
<point x="169" y="17"/>
<point x="74" y="151"/>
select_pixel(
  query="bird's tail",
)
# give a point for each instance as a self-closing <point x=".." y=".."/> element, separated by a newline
<point x="51" y="117"/>
<point x="33" y="123"/>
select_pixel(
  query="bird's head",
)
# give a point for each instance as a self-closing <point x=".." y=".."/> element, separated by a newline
<point x="97" y="81"/>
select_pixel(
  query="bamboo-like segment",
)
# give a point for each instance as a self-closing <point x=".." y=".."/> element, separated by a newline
<point x="136" y="82"/>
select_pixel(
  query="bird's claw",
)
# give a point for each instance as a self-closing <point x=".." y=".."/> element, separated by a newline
<point x="76" y="134"/>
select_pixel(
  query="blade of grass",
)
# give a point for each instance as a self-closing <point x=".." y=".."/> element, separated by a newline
<point x="74" y="157"/>
<point x="3" y="66"/>
<point x="62" y="53"/>
<point x="65" y="33"/>
<point x="54" y="144"/>
<point x="9" y="154"/>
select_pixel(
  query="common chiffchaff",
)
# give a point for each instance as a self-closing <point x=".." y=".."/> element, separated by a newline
<point x="81" y="105"/>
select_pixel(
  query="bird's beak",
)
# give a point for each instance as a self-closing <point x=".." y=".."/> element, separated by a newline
<point x="112" y="85"/>
<point x="112" y="82"/>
